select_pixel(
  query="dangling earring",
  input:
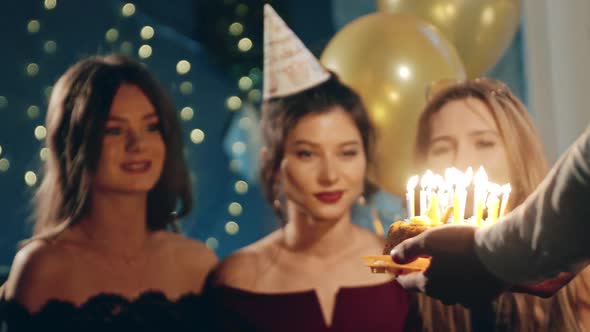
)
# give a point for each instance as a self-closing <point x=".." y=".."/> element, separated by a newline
<point x="277" y="204"/>
<point x="361" y="200"/>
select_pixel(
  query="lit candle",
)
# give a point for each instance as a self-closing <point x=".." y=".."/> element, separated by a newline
<point x="462" y="182"/>
<point x="480" y="192"/>
<point x="439" y="188"/>
<point x="433" y="214"/>
<point x="424" y="184"/>
<point x="506" y="189"/>
<point x="465" y="182"/>
<point x="412" y="182"/>
<point x="450" y="181"/>
<point x="493" y="202"/>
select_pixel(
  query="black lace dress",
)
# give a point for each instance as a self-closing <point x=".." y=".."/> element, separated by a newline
<point x="152" y="311"/>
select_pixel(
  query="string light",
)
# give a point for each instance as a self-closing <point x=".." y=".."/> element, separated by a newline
<point x="32" y="69"/>
<point x="241" y="187"/>
<point x="234" y="209"/>
<point x="126" y="47"/>
<point x="30" y="178"/>
<point x="238" y="147"/>
<point x="212" y="243"/>
<point x="128" y="9"/>
<point x="232" y="228"/>
<point x="183" y="67"/>
<point x="197" y="136"/>
<point x="241" y="10"/>
<point x="4" y="165"/>
<point x="245" y="44"/>
<point x="50" y="4"/>
<point x="33" y="111"/>
<point x="236" y="29"/>
<point x="47" y="91"/>
<point x="255" y="74"/>
<point x="40" y="133"/>
<point x="254" y="95"/>
<point x="112" y="35"/>
<point x="186" y="88"/>
<point x="147" y="32"/>
<point x="50" y="47"/>
<point x="245" y="123"/>
<point x="33" y="26"/>
<point x="145" y="51"/>
<point x="233" y="103"/>
<point x="44" y="153"/>
<point x="245" y="83"/>
<point x="187" y="113"/>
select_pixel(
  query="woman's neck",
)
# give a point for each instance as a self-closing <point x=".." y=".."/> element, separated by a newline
<point x="116" y="223"/>
<point x="320" y="238"/>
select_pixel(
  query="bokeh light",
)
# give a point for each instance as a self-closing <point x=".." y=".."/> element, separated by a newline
<point x="197" y="136"/>
<point x="187" y="113"/>
<point x="128" y="9"/>
<point x="241" y="187"/>
<point x="147" y="32"/>
<point x="30" y="178"/>
<point x="232" y="228"/>
<point x="183" y="67"/>
<point x="234" y="209"/>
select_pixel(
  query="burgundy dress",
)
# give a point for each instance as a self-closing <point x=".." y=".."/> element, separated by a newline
<point x="382" y="307"/>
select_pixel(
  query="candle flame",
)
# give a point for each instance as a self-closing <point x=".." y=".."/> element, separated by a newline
<point x="412" y="182"/>
<point x="451" y="175"/>
<point x="438" y="182"/>
<point x="426" y="179"/>
<point x="467" y="177"/>
<point x="494" y="189"/>
<point x="481" y="177"/>
<point x="506" y="189"/>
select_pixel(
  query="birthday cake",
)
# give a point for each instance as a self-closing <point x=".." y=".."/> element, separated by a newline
<point x="445" y="204"/>
<point x="400" y="231"/>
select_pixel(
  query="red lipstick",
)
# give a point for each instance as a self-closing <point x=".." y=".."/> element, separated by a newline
<point x="329" y="197"/>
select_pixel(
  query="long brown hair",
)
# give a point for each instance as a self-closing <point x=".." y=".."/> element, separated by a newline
<point x="78" y="110"/>
<point x="281" y="115"/>
<point x="528" y="166"/>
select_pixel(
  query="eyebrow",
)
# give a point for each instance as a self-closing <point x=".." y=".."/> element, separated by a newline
<point x="120" y="119"/>
<point x="483" y="132"/>
<point x="306" y="142"/>
<point x="471" y="134"/>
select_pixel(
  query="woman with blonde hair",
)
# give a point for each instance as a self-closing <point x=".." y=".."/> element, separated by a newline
<point x="481" y="123"/>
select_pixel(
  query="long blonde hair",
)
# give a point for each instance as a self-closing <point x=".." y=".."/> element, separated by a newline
<point x="528" y="166"/>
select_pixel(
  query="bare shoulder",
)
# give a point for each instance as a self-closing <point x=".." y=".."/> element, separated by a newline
<point x="242" y="268"/>
<point x="189" y="251"/>
<point x="192" y="258"/>
<point x="36" y="266"/>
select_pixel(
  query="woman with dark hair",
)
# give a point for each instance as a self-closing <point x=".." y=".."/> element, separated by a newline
<point x="309" y="275"/>
<point x="104" y="251"/>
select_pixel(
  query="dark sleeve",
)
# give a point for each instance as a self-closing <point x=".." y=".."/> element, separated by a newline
<point x="548" y="233"/>
<point x="223" y="307"/>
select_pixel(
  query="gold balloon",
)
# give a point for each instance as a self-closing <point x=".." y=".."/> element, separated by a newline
<point x="389" y="59"/>
<point x="481" y="30"/>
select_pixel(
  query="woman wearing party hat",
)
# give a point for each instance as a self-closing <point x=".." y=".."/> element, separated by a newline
<point x="308" y="275"/>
